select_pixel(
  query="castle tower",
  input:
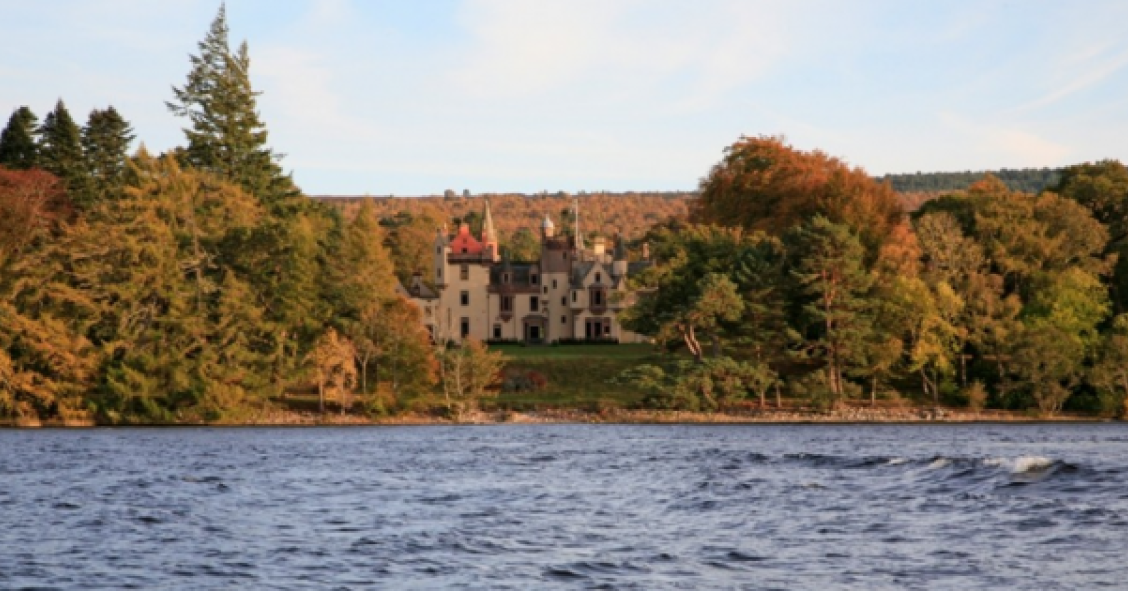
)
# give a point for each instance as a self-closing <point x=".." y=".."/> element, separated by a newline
<point x="619" y="262"/>
<point x="489" y="235"/>
<point x="442" y="248"/>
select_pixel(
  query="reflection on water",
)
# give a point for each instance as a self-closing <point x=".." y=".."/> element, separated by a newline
<point x="524" y="507"/>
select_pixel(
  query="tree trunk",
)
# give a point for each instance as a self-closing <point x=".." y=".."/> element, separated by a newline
<point x="321" y="396"/>
<point x="873" y="391"/>
<point x="779" y="402"/>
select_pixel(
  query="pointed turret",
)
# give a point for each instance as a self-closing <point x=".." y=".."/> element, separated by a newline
<point x="489" y="234"/>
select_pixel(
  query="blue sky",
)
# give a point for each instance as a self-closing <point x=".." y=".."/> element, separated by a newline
<point x="412" y="97"/>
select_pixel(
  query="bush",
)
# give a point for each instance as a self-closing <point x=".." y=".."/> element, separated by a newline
<point x="976" y="396"/>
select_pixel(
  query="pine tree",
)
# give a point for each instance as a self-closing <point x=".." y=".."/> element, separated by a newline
<point x="105" y="144"/>
<point x="226" y="136"/>
<point x="17" y="142"/>
<point x="60" y="148"/>
<point x="831" y="281"/>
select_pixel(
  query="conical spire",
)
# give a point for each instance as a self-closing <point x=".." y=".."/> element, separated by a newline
<point x="489" y="234"/>
<point x="576" y="220"/>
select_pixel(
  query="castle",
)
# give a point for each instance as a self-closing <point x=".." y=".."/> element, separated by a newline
<point x="571" y="293"/>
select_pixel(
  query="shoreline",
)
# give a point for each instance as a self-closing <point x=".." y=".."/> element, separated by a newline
<point x="847" y="416"/>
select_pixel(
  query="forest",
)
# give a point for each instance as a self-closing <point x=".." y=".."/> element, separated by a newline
<point x="197" y="285"/>
<point x="1026" y="180"/>
<point x="201" y="285"/>
<point x="796" y="273"/>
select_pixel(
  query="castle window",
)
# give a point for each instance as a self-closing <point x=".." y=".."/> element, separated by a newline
<point x="564" y="301"/>
<point x="573" y="296"/>
<point x="497" y="331"/>
<point x="546" y="289"/>
<point x="553" y="284"/>
<point x="506" y="303"/>
<point x="534" y="303"/>
<point x="598" y="277"/>
<point x="534" y="278"/>
<point x="464" y="251"/>
<point x="563" y="320"/>
<point x="464" y="327"/>
<point x="505" y="277"/>
<point x="464" y="298"/>
<point x="464" y="272"/>
<point x="597" y="298"/>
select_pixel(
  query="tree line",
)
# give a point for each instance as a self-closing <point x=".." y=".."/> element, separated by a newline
<point x="195" y="285"/>
<point x="797" y="273"/>
<point x="1026" y="180"/>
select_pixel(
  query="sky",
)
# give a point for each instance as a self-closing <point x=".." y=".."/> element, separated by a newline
<point x="410" y="97"/>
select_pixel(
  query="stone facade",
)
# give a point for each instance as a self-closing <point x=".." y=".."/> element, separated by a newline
<point x="569" y="293"/>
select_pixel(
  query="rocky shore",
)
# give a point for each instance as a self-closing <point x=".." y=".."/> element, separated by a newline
<point x="848" y="415"/>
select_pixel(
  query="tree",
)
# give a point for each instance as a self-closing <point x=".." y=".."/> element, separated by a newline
<point x="60" y="148"/>
<point x="764" y="184"/>
<point x="1102" y="188"/>
<point x="1058" y="333"/>
<point x="829" y="283"/>
<point x="18" y="149"/>
<point x="1024" y="234"/>
<point x="226" y="136"/>
<point x="689" y="294"/>
<point x="31" y="202"/>
<point x="105" y="143"/>
<point x="411" y="239"/>
<point x="334" y="369"/>
<point x="466" y="373"/>
<point x="522" y="246"/>
<point x="1109" y="373"/>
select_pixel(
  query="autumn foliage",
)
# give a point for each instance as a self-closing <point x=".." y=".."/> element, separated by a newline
<point x="762" y="183"/>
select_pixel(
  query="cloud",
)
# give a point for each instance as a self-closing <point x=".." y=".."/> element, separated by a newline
<point x="995" y="145"/>
<point x="625" y="49"/>
<point x="1083" y="74"/>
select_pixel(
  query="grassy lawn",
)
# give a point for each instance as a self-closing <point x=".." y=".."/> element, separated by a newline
<point x="577" y="375"/>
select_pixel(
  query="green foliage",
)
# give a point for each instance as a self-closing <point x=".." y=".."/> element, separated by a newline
<point x="1028" y="180"/>
<point x="226" y="136"/>
<point x="105" y="144"/>
<point x="18" y="148"/>
<point x="468" y="373"/>
<point x="709" y="385"/>
<point x="829" y="282"/>
<point x="60" y="149"/>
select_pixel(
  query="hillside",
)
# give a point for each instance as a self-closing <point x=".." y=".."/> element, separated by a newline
<point x="629" y="214"/>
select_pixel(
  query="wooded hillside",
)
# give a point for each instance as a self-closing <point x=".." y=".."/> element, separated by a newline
<point x="630" y="214"/>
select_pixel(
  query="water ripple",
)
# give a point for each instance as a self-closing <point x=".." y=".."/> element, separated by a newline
<point x="591" y="507"/>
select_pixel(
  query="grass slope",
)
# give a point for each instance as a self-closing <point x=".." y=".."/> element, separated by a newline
<point x="576" y="376"/>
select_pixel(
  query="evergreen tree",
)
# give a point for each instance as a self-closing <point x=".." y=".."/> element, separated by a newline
<point x="17" y="142"/>
<point x="105" y="144"/>
<point x="830" y="281"/>
<point x="60" y="147"/>
<point x="226" y="136"/>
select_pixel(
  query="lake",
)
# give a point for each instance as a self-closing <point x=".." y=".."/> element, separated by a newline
<point x="567" y="506"/>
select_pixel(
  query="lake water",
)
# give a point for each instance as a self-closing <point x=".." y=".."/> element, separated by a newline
<point x="567" y="506"/>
